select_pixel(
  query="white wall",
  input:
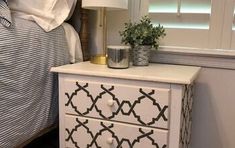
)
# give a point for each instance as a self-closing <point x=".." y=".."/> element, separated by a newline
<point x="214" y="109"/>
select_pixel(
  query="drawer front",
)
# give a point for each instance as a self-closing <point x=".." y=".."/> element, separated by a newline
<point x="126" y="103"/>
<point x="81" y="132"/>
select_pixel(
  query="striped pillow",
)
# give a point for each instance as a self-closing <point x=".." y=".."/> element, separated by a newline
<point x="5" y="14"/>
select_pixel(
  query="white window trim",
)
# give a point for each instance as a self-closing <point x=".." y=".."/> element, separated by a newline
<point x="228" y="17"/>
<point x="140" y="8"/>
<point x="223" y="53"/>
<point x="202" y="59"/>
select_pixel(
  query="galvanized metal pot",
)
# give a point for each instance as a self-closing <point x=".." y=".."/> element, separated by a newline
<point x="141" y="55"/>
<point x="118" y="56"/>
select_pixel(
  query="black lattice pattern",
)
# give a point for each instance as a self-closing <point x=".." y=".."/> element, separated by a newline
<point x="120" y="104"/>
<point x="186" y="116"/>
<point x="108" y="129"/>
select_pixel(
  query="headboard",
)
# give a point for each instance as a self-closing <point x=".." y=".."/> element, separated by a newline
<point x="83" y="33"/>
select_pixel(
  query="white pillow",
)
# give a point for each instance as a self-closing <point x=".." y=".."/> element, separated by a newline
<point x="48" y="14"/>
<point x="74" y="44"/>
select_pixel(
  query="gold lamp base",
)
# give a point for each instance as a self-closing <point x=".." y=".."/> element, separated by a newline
<point x="98" y="59"/>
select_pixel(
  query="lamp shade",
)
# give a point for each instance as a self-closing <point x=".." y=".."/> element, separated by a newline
<point x="110" y="4"/>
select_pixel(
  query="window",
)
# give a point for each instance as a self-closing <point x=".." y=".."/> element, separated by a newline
<point x="186" y="14"/>
<point x="194" y="23"/>
<point x="233" y="29"/>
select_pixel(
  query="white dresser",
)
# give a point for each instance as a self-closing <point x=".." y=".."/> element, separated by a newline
<point x="138" y="107"/>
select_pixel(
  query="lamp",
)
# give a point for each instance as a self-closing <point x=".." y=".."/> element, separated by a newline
<point x="103" y="6"/>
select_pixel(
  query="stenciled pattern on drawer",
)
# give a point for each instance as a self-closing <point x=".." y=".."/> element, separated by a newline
<point x="186" y="116"/>
<point x="104" y="128"/>
<point x="121" y="105"/>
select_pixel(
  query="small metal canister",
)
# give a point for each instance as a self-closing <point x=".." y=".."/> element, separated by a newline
<point x="118" y="56"/>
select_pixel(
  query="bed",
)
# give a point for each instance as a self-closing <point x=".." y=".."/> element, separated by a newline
<point x="28" y="91"/>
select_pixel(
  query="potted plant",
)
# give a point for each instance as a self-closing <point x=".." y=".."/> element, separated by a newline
<point x="142" y="37"/>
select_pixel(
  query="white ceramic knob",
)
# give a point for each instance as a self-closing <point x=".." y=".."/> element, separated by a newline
<point x="110" y="103"/>
<point x="110" y="141"/>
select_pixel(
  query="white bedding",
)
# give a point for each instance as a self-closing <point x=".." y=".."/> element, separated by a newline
<point x="28" y="90"/>
<point x="74" y="44"/>
<point x="48" y="14"/>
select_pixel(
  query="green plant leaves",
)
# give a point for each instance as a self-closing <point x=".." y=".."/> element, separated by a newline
<point x="142" y="33"/>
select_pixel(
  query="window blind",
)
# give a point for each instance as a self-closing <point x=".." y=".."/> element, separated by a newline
<point x="181" y="13"/>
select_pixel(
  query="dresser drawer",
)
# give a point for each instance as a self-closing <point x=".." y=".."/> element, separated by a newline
<point x="83" y="132"/>
<point x="139" y="105"/>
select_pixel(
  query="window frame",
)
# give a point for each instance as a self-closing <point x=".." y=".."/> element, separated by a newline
<point x="220" y="30"/>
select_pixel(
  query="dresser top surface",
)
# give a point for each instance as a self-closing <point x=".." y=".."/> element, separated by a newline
<point x="163" y="73"/>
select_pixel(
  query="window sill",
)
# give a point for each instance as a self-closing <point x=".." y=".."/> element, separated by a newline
<point x="211" y="58"/>
<point x="220" y="53"/>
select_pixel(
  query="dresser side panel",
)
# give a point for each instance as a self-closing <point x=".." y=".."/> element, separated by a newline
<point x="61" y="110"/>
<point x="175" y="115"/>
